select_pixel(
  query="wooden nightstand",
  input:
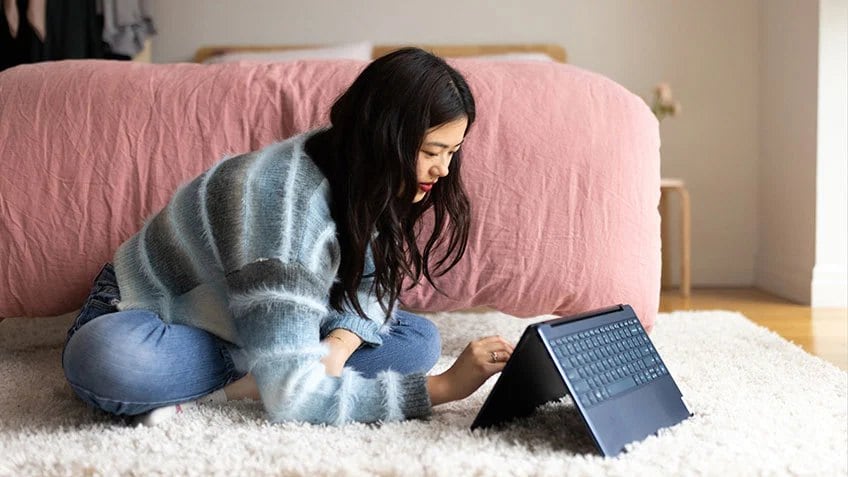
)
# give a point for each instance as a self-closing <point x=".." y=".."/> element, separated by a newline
<point x="667" y="187"/>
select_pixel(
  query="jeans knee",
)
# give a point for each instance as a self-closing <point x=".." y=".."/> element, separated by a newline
<point x="102" y="361"/>
<point x="85" y="361"/>
<point x="434" y="342"/>
<point x="131" y="361"/>
<point x="428" y="337"/>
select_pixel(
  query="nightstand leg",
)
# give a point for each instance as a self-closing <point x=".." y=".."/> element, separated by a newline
<point x="685" y="246"/>
<point x="664" y="243"/>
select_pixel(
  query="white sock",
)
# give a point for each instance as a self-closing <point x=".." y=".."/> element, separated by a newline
<point x="162" y="414"/>
<point x="216" y="397"/>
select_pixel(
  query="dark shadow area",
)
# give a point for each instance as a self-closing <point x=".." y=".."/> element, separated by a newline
<point x="556" y="426"/>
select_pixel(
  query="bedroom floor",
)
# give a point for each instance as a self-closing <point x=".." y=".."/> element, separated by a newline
<point x="820" y="331"/>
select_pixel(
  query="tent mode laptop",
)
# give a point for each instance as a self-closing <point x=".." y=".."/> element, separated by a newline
<point x="605" y="360"/>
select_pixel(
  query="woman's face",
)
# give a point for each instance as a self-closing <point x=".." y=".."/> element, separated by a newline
<point x="439" y="145"/>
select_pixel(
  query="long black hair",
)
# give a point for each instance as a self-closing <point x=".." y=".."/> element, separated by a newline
<point x="369" y="156"/>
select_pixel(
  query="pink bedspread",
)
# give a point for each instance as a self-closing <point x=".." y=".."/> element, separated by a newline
<point x="562" y="168"/>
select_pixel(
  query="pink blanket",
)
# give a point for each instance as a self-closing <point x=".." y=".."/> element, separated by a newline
<point x="562" y="168"/>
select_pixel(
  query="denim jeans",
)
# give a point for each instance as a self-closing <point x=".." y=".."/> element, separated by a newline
<point x="130" y="362"/>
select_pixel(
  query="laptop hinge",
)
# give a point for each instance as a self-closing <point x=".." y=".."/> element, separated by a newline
<point x="587" y="314"/>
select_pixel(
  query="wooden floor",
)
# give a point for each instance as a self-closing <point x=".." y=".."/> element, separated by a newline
<point x="821" y="331"/>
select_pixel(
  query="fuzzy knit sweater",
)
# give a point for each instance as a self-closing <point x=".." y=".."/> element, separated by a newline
<point x="248" y="251"/>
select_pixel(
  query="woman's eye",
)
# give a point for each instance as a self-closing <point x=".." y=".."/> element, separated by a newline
<point x="430" y="154"/>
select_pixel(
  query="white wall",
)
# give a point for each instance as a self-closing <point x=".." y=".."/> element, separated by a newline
<point x="830" y="275"/>
<point x="803" y="204"/>
<point x="707" y="50"/>
<point x="787" y="168"/>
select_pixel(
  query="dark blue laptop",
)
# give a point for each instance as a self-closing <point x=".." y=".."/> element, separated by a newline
<point x="605" y="360"/>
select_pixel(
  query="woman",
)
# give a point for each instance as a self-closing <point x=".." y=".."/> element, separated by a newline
<point x="274" y="275"/>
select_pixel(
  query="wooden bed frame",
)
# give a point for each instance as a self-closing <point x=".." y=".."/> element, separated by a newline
<point x="554" y="51"/>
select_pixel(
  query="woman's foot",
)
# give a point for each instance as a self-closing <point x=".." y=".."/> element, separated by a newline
<point x="162" y="414"/>
<point x="244" y="388"/>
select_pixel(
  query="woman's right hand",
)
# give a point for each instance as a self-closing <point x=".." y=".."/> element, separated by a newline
<point x="478" y="362"/>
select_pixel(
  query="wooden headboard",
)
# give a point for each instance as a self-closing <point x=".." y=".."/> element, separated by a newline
<point x="554" y="51"/>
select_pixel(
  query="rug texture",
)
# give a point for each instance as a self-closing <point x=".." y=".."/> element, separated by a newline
<point x="762" y="406"/>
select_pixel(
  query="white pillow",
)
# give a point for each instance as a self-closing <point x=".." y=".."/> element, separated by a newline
<point x="349" y="51"/>
<point x="515" y="57"/>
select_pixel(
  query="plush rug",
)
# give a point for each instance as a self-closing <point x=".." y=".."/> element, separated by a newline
<point x="762" y="406"/>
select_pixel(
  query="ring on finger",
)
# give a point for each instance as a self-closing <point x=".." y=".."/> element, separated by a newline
<point x="495" y="356"/>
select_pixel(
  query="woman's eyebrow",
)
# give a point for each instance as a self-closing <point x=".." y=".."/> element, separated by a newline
<point x="442" y="145"/>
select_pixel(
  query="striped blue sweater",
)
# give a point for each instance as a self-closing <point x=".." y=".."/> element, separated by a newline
<point x="248" y="251"/>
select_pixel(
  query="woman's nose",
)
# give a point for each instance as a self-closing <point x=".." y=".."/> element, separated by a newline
<point x="441" y="168"/>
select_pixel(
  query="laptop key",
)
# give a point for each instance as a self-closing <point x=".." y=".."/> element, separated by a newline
<point x="581" y="386"/>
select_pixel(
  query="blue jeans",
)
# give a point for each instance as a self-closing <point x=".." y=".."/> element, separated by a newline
<point x="130" y="362"/>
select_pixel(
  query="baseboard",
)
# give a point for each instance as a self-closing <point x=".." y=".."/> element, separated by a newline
<point x="829" y="287"/>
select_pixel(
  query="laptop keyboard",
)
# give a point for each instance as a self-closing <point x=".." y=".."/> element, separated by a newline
<point x="609" y="360"/>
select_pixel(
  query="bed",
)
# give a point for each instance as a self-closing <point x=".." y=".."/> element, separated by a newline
<point x="562" y="168"/>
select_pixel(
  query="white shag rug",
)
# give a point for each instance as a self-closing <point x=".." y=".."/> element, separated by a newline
<point x="762" y="406"/>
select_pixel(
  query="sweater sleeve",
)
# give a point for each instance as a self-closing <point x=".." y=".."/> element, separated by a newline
<point x="277" y="309"/>
<point x="368" y="330"/>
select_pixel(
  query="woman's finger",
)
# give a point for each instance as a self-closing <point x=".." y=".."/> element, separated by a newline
<point x="496" y="341"/>
<point x="498" y="355"/>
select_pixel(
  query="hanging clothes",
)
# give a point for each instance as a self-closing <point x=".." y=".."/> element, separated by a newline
<point x="34" y="15"/>
<point x="41" y="30"/>
<point x="19" y="41"/>
<point x="126" y="25"/>
<point x="73" y="30"/>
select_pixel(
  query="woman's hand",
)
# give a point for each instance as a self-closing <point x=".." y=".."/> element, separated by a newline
<point x="342" y="344"/>
<point x="478" y="362"/>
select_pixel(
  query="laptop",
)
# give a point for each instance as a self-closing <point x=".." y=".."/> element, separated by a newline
<point x="605" y="360"/>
